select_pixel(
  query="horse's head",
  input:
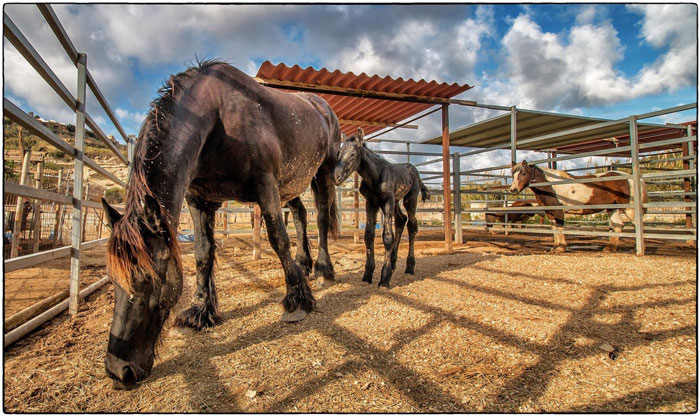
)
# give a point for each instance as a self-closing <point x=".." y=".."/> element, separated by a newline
<point x="523" y="174"/>
<point x="143" y="262"/>
<point x="349" y="156"/>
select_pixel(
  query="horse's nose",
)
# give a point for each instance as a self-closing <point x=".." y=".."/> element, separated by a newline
<point x="513" y="190"/>
<point x="122" y="373"/>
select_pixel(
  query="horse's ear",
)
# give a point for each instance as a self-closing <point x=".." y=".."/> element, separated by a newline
<point x="360" y="135"/>
<point x="152" y="214"/>
<point x="512" y="164"/>
<point x="112" y="215"/>
<point x="525" y="163"/>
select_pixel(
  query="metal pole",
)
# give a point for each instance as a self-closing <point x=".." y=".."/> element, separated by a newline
<point x="256" y="233"/>
<point x="458" y="197"/>
<point x="408" y="152"/>
<point x="637" y="185"/>
<point x="130" y="155"/>
<point x="74" y="298"/>
<point x="340" y="210"/>
<point x="446" y="176"/>
<point x="513" y="133"/>
<point x="690" y="216"/>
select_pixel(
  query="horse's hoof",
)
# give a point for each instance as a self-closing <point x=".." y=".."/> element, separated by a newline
<point x="295" y="316"/>
<point x="384" y="286"/>
<point x="410" y="271"/>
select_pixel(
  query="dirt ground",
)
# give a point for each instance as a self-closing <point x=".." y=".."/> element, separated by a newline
<point x="498" y="326"/>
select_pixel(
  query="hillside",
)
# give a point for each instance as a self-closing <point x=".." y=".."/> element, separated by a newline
<point x="56" y="159"/>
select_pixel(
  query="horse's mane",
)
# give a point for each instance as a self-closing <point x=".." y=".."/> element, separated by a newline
<point x="127" y="248"/>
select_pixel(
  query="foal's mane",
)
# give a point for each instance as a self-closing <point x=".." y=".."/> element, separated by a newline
<point x="127" y="249"/>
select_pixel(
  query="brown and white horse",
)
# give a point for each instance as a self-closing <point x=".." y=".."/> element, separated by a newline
<point x="597" y="193"/>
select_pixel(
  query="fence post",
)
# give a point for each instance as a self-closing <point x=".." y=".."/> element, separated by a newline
<point x="77" y="188"/>
<point x="690" y="216"/>
<point x="256" y="232"/>
<point x="356" y="206"/>
<point x="19" y="210"/>
<point x="340" y="210"/>
<point x="130" y="155"/>
<point x="457" y="197"/>
<point x="36" y="226"/>
<point x="408" y="152"/>
<point x="513" y="133"/>
<point x="58" y="209"/>
<point x="85" y="214"/>
<point x="637" y="185"/>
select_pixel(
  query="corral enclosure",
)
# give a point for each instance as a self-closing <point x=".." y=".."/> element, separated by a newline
<point x="499" y="326"/>
<point x="489" y="323"/>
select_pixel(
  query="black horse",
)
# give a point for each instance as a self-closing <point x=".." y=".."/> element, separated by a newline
<point x="383" y="185"/>
<point x="212" y="135"/>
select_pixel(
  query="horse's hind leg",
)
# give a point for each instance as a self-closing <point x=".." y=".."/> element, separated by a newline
<point x="388" y="240"/>
<point x="324" y="194"/>
<point x="410" y="204"/>
<point x="203" y="312"/>
<point x="399" y="224"/>
<point x="616" y="224"/>
<point x="299" y="301"/>
<point x="303" y="257"/>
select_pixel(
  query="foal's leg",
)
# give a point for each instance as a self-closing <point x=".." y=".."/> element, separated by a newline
<point x="410" y="203"/>
<point x="388" y="239"/>
<point x="303" y="257"/>
<point x="324" y="193"/>
<point x="561" y="246"/>
<point x="203" y="312"/>
<point x="400" y="222"/>
<point x="299" y="301"/>
<point x="371" y="214"/>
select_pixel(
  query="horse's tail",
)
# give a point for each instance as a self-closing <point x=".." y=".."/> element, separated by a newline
<point x="424" y="192"/>
<point x="333" y="225"/>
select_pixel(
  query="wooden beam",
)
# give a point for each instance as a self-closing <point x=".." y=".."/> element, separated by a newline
<point x="376" y="123"/>
<point x="354" y="92"/>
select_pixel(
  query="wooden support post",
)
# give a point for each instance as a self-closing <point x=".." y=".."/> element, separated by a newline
<point x="457" y="188"/>
<point x="408" y="152"/>
<point x="257" y="254"/>
<point x="637" y="185"/>
<point x="356" y="206"/>
<point x="226" y="225"/>
<point x="74" y="297"/>
<point x="446" y="177"/>
<point x="36" y="220"/>
<point x="26" y="153"/>
<point x="58" y="209"/>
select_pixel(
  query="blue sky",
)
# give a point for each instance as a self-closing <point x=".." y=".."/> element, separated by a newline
<point x="603" y="60"/>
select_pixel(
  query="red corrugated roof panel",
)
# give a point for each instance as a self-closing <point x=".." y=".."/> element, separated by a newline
<point x="361" y="108"/>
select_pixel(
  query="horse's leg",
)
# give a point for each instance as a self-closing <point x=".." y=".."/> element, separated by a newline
<point x="559" y="220"/>
<point x="203" y="312"/>
<point x="615" y="218"/>
<point x="298" y="301"/>
<point x="388" y="240"/>
<point x="410" y="204"/>
<point x="324" y="192"/>
<point x="303" y="257"/>
<point x="399" y="224"/>
<point x="371" y="214"/>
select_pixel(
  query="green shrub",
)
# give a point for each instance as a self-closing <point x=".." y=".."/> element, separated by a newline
<point x="115" y="195"/>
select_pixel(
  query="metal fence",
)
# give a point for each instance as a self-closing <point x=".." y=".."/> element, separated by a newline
<point x="78" y="203"/>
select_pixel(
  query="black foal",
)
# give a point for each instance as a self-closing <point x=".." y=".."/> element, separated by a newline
<point x="384" y="184"/>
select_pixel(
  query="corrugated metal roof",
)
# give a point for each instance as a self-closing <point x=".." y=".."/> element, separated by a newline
<point x="532" y="124"/>
<point x="365" y="109"/>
